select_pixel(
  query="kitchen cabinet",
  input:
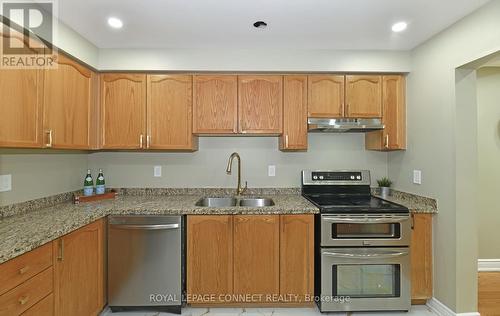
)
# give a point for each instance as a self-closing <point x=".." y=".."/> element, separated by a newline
<point x="78" y="271"/>
<point x="215" y="104"/>
<point x="393" y="136"/>
<point x="250" y="254"/>
<point x="70" y="106"/>
<point x="256" y="254"/>
<point x="169" y="112"/>
<point x="297" y="255"/>
<point x="363" y="96"/>
<point x="123" y="110"/>
<point x="209" y="256"/>
<point x="294" y="137"/>
<point x="421" y="258"/>
<point x="326" y="96"/>
<point x="260" y="104"/>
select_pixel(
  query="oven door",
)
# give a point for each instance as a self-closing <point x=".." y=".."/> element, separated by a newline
<point x="365" y="230"/>
<point x="365" y="279"/>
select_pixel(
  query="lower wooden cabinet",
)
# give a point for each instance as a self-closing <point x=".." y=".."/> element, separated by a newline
<point x="78" y="271"/>
<point x="421" y="258"/>
<point x="270" y="257"/>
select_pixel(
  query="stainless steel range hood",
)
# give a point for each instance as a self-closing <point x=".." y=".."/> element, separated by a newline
<point x="344" y="125"/>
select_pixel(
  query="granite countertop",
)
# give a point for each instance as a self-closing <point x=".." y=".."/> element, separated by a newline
<point x="415" y="203"/>
<point x="23" y="232"/>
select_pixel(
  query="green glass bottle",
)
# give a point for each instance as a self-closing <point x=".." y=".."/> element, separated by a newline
<point x="100" y="187"/>
<point x="88" y="184"/>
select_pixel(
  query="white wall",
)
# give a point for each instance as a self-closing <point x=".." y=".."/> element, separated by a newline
<point x="40" y="173"/>
<point x="436" y="147"/>
<point x="488" y="101"/>
<point x="206" y="168"/>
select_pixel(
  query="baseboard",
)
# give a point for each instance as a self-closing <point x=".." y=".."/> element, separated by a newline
<point x="488" y="265"/>
<point x="442" y="310"/>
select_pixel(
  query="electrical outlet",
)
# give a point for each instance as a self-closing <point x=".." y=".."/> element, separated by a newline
<point x="417" y="177"/>
<point x="271" y="170"/>
<point x="157" y="171"/>
<point x="5" y="183"/>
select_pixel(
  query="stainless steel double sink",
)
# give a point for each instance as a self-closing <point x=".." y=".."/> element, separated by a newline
<point x="232" y="201"/>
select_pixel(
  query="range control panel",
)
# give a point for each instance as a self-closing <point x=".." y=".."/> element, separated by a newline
<point x="336" y="176"/>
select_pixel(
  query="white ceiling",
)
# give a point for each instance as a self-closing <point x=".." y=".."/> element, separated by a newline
<point x="293" y="24"/>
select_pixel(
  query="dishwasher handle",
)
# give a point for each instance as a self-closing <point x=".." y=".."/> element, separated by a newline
<point x="146" y="227"/>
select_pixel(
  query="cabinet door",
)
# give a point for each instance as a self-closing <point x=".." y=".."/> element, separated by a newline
<point x="326" y="96"/>
<point x="421" y="257"/>
<point x="260" y="104"/>
<point x="21" y="97"/>
<point x="215" y="104"/>
<point x="297" y="255"/>
<point x="123" y="106"/>
<point x="69" y="104"/>
<point x="363" y="96"/>
<point x="209" y="256"/>
<point x="294" y="114"/>
<point x="78" y="276"/>
<point x="393" y="137"/>
<point x="256" y="254"/>
<point x="169" y="112"/>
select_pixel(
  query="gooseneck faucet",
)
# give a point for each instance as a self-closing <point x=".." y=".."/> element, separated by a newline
<point x="239" y="189"/>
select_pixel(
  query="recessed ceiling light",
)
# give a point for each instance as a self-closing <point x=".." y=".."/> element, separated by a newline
<point x="260" y="25"/>
<point x="399" y="27"/>
<point x="115" y="23"/>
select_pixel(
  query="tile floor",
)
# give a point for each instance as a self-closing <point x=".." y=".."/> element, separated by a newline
<point x="415" y="311"/>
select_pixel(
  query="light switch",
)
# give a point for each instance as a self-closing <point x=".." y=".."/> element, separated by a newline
<point x="417" y="177"/>
<point x="5" y="183"/>
<point x="271" y="170"/>
<point x="157" y="171"/>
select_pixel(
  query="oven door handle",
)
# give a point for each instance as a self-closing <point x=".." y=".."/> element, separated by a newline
<point x="384" y="255"/>
<point x="385" y="220"/>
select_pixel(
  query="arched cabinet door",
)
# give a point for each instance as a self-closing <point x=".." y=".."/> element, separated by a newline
<point x="363" y="96"/>
<point x="123" y="111"/>
<point x="326" y="96"/>
<point x="69" y="105"/>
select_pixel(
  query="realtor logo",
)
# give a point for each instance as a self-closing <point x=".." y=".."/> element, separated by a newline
<point x="27" y="34"/>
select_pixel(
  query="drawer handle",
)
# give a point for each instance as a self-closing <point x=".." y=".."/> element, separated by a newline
<point x="23" y="300"/>
<point x="23" y="270"/>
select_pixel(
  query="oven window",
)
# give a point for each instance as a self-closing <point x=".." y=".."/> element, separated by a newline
<point x="367" y="281"/>
<point x="373" y="231"/>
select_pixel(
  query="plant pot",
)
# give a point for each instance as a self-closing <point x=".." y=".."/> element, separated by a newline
<point x="385" y="192"/>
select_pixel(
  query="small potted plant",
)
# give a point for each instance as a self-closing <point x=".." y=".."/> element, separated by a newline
<point x="385" y="187"/>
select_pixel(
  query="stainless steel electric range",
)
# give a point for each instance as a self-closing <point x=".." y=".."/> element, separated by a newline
<point x="362" y="244"/>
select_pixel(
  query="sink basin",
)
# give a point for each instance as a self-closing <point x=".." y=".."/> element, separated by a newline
<point x="257" y="202"/>
<point x="216" y="202"/>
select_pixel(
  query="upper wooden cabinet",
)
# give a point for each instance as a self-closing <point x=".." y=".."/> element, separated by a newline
<point x="260" y="102"/>
<point x="78" y="271"/>
<point x="209" y="256"/>
<point x="256" y="254"/>
<point x="69" y="106"/>
<point x="393" y="137"/>
<point x="326" y="96"/>
<point x="215" y="104"/>
<point x="294" y="135"/>
<point x="123" y="108"/>
<point x="363" y="96"/>
<point x="169" y="112"/>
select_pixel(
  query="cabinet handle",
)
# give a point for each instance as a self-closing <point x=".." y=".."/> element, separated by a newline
<point x="141" y="141"/>
<point x="49" y="138"/>
<point x="148" y="141"/>
<point x="23" y="299"/>
<point x="286" y="141"/>
<point x="412" y="221"/>
<point x="23" y="270"/>
<point x="61" y="250"/>
<point x="386" y="141"/>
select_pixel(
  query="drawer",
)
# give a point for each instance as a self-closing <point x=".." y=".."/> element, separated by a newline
<point x="43" y="308"/>
<point x="24" y="296"/>
<point x="20" y="269"/>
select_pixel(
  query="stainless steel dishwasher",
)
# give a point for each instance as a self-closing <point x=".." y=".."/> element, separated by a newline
<point x="145" y="263"/>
